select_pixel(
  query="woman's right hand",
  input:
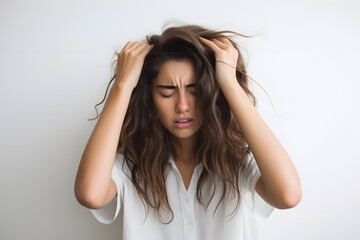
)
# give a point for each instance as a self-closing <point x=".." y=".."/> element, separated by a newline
<point x="130" y="62"/>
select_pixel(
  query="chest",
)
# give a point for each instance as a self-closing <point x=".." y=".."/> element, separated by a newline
<point x="186" y="172"/>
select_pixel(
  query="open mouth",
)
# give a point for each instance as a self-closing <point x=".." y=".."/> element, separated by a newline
<point x="183" y="123"/>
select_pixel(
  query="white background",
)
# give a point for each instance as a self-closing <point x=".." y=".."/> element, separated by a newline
<point x="55" y="61"/>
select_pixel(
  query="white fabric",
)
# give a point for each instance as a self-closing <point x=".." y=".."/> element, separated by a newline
<point x="190" y="221"/>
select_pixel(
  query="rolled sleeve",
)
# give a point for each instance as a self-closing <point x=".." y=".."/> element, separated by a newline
<point x="109" y="212"/>
<point x="248" y="179"/>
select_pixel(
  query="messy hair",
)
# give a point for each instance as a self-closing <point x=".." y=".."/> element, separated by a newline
<point x="147" y="145"/>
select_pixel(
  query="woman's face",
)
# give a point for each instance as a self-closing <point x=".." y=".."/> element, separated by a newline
<point x="174" y="95"/>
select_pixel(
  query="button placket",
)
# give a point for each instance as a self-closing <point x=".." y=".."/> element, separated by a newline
<point x="187" y="203"/>
<point x="188" y="212"/>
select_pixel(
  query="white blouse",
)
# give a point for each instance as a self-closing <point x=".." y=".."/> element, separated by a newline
<point x="190" y="221"/>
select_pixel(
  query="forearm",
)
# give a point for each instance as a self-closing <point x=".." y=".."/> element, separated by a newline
<point x="278" y="172"/>
<point x="94" y="173"/>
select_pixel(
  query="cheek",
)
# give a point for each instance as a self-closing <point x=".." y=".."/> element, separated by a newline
<point x="163" y="117"/>
<point x="162" y="108"/>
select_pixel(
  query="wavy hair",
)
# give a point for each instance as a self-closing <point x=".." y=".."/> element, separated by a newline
<point x="146" y="145"/>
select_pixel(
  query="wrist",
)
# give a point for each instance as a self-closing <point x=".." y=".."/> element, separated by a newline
<point x="228" y="83"/>
<point x="120" y="84"/>
<point x="121" y="89"/>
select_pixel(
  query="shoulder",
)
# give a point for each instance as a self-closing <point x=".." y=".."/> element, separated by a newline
<point x="250" y="163"/>
<point x="119" y="159"/>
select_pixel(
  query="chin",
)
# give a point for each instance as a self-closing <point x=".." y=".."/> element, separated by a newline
<point x="184" y="134"/>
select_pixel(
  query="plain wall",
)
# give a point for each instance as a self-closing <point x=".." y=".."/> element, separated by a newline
<point x="55" y="61"/>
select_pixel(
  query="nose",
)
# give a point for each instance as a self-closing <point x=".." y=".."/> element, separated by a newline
<point x="182" y="103"/>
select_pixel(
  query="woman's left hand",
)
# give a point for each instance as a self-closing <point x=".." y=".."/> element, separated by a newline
<point x="224" y="51"/>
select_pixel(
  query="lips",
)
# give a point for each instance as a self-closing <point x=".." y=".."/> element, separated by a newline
<point x="183" y="123"/>
<point x="183" y="119"/>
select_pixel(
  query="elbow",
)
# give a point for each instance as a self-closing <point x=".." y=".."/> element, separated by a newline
<point x="290" y="199"/>
<point x="87" y="199"/>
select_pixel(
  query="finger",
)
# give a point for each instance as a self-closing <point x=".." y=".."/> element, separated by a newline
<point x="224" y="40"/>
<point x="146" y="50"/>
<point x="140" y="47"/>
<point x="219" y="43"/>
<point x="135" y="45"/>
<point x="209" y="43"/>
<point x="226" y="43"/>
<point x="128" y="45"/>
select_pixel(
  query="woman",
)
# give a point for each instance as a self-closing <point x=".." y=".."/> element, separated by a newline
<point x="175" y="135"/>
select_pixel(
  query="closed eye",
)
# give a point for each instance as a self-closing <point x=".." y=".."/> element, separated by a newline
<point x="166" y="96"/>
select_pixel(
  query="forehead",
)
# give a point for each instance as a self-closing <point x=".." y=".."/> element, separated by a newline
<point x="176" y="72"/>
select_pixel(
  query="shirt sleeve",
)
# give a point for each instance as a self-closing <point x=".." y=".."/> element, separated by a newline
<point x="108" y="213"/>
<point x="248" y="179"/>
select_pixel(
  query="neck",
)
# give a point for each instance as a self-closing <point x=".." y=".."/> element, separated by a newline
<point x="185" y="150"/>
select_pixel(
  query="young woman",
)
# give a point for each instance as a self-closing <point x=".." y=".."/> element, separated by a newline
<point x="179" y="135"/>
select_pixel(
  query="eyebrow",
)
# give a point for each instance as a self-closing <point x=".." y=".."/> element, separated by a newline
<point x="173" y="87"/>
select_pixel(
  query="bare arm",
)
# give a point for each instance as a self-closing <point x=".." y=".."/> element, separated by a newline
<point x="279" y="183"/>
<point x="94" y="187"/>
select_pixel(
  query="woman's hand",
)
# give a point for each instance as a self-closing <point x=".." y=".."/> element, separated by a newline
<point x="130" y="62"/>
<point x="224" y="51"/>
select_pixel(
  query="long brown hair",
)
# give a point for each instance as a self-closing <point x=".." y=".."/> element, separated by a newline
<point x="146" y="145"/>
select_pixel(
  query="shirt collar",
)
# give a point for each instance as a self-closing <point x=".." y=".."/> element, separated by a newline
<point x="173" y="165"/>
